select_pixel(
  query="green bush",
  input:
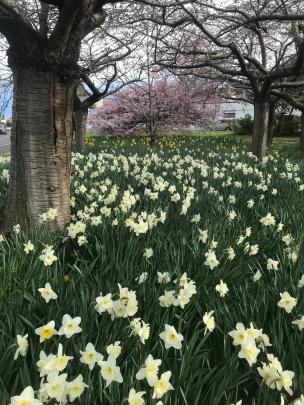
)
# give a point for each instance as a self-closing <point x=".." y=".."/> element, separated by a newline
<point x="243" y="126"/>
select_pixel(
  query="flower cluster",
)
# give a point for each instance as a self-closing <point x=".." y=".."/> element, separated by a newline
<point x="181" y="296"/>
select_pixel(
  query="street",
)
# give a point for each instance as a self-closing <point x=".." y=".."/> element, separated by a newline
<point x="5" y="144"/>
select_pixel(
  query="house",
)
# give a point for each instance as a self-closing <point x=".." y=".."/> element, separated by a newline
<point x="231" y="110"/>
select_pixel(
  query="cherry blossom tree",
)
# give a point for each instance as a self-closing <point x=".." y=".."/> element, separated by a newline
<point x="164" y="104"/>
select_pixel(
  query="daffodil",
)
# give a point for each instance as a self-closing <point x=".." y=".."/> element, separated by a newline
<point x="299" y="323"/>
<point x="28" y="247"/>
<point x="47" y="293"/>
<point x="90" y="356"/>
<point x="110" y="371"/>
<point x="22" y="346"/>
<point x="287" y="302"/>
<point x="209" y="321"/>
<point x="136" y="398"/>
<point x="70" y="326"/>
<point x="171" y="338"/>
<point x="25" y="398"/>
<point x="114" y="349"/>
<point x="76" y="388"/>
<point x="149" y="371"/>
<point x="162" y="385"/>
<point x="46" y="332"/>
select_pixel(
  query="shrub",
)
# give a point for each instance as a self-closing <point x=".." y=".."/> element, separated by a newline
<point x="243" y="126"/>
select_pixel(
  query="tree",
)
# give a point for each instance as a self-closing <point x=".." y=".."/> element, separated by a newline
<point x="295" y="99"/>
<point x="43" y="54"/>
<point x="248" y="45"/>
<point x="104" y="72"/>
<point x="161" y="104"/>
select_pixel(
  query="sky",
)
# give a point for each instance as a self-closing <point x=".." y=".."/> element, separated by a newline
<point x="8" y="111"/>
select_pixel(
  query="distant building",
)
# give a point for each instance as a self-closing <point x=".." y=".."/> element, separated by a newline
<point x="232" y="110"/>
<point x="103" y="102"/>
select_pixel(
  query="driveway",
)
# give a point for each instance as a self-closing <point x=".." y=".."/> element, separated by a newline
<point x="5" y="144"/>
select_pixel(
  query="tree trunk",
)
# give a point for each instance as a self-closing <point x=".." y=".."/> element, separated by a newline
<point x="271" y="124"/>
<point x="81" y="116"/>
<point x="302" y="136"/>
<point x="41" y="143"/>
<point x="260" y="128"/>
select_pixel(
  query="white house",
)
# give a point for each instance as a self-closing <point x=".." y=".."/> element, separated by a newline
<point x="231" y="110"/>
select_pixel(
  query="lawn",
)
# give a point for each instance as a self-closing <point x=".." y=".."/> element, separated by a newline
<point x="190" y="252"/>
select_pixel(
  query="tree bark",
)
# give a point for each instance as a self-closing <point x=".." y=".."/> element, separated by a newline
<point x="41" y="142"/>
<point x="271" y="124"/>
<point x="260" y="128"/>
<point x="302" y="136"/>
<point x="81" y="116"/>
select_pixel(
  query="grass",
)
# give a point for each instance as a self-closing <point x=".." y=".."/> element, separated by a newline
<point x="207" y="370"/>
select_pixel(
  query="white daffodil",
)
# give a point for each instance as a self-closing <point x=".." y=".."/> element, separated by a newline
<point x="22" y="346"/>
<point x="70" y="326"/>
<point x="299" y="323"/>
<point x="90" y="356"/>
<point x="287" y="302"/>
<point x="76" y="387"/>
<point x="47" y="293"/>
<point x="136" y="398"/>
<point x="47" y="331"/>
<point x="208" y="320"/>
<point x="28" y="247"/>
<point x="110" y="371"/>
<point x="25" y="398"/>
<point x="149" y="371"/>
<point x="171" y="338"/>
<point x="114" y="349"/>
<point x="162" y="385"/>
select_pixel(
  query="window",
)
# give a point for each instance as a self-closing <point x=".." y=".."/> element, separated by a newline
<point x="229" y="114"/>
